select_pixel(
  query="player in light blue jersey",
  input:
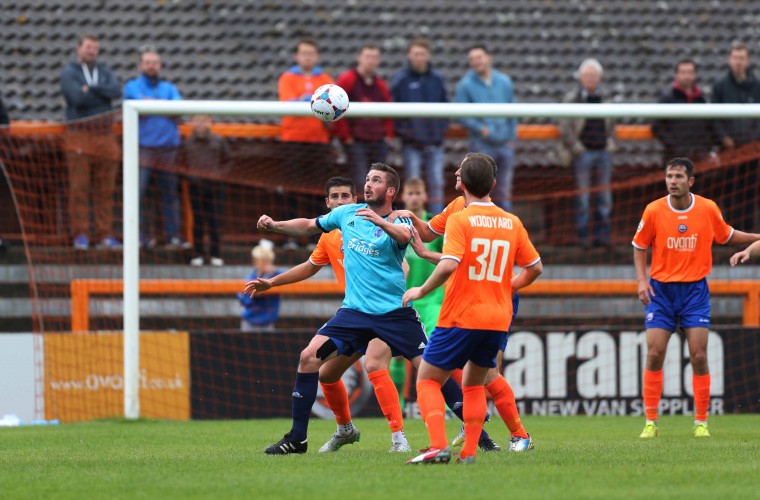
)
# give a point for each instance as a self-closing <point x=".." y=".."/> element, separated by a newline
<point x="372" y="319"/>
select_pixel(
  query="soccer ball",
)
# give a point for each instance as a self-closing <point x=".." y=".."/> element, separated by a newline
<point x="329" y="103"/>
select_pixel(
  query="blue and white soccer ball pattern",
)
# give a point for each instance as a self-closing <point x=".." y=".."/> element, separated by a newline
<point x="329" y="103"/>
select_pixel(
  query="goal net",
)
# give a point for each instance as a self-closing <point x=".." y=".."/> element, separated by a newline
<point x="205" y="351"/>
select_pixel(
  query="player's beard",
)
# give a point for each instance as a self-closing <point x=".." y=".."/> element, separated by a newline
<point x="374" y="202"/>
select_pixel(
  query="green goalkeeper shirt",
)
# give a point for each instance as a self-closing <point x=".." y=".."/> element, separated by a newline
<point x="419" y="271"/>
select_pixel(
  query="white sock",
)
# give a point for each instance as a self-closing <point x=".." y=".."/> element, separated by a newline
<point x="345" y="429"/>
<point x="652" y="421"/>
<point x="697" y="422"/>
<point x="398" y="437"/>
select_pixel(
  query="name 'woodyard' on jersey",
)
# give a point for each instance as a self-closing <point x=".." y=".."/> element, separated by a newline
<point x="490" y="221"/>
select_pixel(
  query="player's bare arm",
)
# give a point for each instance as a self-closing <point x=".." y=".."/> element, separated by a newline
<point x="301" y="272"/>
<point x="526" y="276"/>
<point x="293" y="227"/>
<point x="743" y="257"/>
<point x="420" y="249"/>
<point x="645" y="291"/>
<point x="742" y="238"/>
<point x="398" y="232"/>
<point x="443" y="270"/>
<point x="420" y="225"/>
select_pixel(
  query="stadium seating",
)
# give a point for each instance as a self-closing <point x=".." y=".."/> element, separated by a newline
<point x="236" y="50"/>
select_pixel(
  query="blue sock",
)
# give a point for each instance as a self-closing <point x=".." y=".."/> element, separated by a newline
<point x="304" y="395"/>
<point x="452" y="394"/>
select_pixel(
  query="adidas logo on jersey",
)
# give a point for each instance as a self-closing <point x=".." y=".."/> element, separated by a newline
<point x="351" y="223"/>
<point x="421" y="346"/>
<point x="297" y="394"/>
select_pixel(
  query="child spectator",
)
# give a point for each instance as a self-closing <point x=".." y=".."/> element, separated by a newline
<point x="260" y="313"/>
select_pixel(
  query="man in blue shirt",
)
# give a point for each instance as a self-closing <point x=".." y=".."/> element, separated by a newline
<point x="492" y="136"/>
<point x="159" y="140"/>
<point x="372" y="319"/>
<point x="422" y="138"/>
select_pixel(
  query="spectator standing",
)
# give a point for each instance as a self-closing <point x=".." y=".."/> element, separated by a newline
<point x="4" y="122"/>
<point x="4" y="118"/>
<point x="422" y="138"/>
<point x="159" y="142"/>
<point x="587" y="144"/>
<point x="89" y="88"/>
<point x="739" y="85"/>
<point x="492" y="136"/>
<point x="206" y="153"/>
<point x="307" y="138"/>
<point x="694" y="138"/>
<point x="260" y="312"/>
<point x="366" y="139"/>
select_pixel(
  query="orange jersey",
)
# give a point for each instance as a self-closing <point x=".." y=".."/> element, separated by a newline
<point x="329" y="250"/>
<point x="438" y="223"/>
<point x="681" y="240"/>
<point x="292" y="86"/>
<point x="487" y="242"/>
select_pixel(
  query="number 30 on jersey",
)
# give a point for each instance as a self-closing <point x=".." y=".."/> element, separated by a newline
<point x="492" y="257"/>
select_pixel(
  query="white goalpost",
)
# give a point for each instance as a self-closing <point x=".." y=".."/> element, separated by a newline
<point x="133" y="109"/>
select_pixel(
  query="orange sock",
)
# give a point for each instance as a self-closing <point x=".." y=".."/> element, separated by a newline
<point x="701" y="386"/>
<point x="387" y="395"/>
<point x="433" y="410"/>
<point x="474" y="412"/>
<point x="504" y="399"/>
<point x="652" y="393"/>
<point x="336" y="397"/>
<point x="457" y="376"/>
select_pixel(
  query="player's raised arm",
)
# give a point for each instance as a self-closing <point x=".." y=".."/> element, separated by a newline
<point x="420" y="249"/>
<point x="301" y="272"/>
<point x="742" y="257"/>
<point x="293" y="227"/>
<point x="398" y="230"/>
<point x="426" y="234"/>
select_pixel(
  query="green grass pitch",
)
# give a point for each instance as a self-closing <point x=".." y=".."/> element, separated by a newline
<point x="575" y="457"/>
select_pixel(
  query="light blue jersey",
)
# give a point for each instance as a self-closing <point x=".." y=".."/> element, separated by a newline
<point x="374" y="279"/>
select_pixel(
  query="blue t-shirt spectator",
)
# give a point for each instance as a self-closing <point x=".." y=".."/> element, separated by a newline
<point x="262" y="310"/>
<point x="155" y="131"/>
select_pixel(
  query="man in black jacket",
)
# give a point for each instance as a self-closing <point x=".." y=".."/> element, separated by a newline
<point x="691" y="139"/>
<point x="88" y="87"/>
<point x="4" y="120"/>
<point x="739" y="86"/>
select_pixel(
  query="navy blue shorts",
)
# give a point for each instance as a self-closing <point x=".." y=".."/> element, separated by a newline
<point x="515" y="306"/>
<point x="352" y="330"/>
<point x="451" y="348"/>
<point x="674" y="304"/>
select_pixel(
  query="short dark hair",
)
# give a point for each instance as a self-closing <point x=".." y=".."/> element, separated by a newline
<point x="478" y="174"/>
<point x="684" y="163"/>
<point x="488" y="158"/>
<point x="739" y="45"/>
<point x="418" y="42"/>
<point x="686" y="61"/>
<point x="306" y="41"/>
<point x="338" y="182"/>
<point x="369" y="46"/>
<point x="479" y="46"/>
<point x="390" y="175"/>
<point x="87" y="37"/>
